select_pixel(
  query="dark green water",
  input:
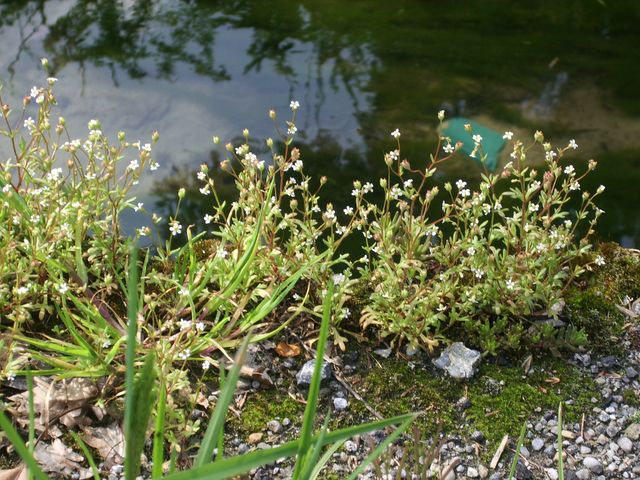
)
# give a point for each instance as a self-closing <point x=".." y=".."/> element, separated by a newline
<point x="359" y="69"/>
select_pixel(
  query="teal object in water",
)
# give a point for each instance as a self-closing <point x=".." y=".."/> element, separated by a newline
<point x="492" y="141"/>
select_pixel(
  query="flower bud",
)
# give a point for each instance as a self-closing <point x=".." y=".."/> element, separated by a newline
<point x="447" y="186"/>
<point x="121" y="136"/>
<point x="216" y="140"/>
<point x="229" y="147"/>
<point x="245" y="132"/>
<point x="181" y="193"/>
<point x="592" y="164"/>
<point x="45" y="62"/>
<point x="357" y="184"/>
<point x="26" y="100"/>
<point x="441" y="115"/>
<point x="538" y="136"/>
<point x="155" y="136"/>
<point x="270" y="142"/>
<point x="383" y="182"/>
<point x="323" y="180"/>
<point x="294" y="203"/>
<point x="467" y="127"/>
<point x="272" y="114"/>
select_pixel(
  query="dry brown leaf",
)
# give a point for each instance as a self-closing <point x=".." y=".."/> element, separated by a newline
<point x="288" y="349"/>
<point x="108" y="441"/>
<point x="58" y="458"/>
<point x="552" y="380"/>
<point x="53" y="398"/>
<point x="18" y="473"/>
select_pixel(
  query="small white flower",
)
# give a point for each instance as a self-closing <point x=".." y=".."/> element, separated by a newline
<point x="292" y="129"/>
<point x="600" y="260"/>
<point x="348" y="210"/>
<point x="367" y="187"/>
<point x="186" y="353"/>
<point x="22" y="290"/>
<point x="51" y="80"/>
<point x="408" y="183"/>
<point x="461" y="184"/>
<point x="510" y="284"/>
<point x="465" y="192"/>
<point x="574" y="186"/>
<point x="507" y="135"/>
<point x="62" y="288"/>
<point x="184" y="324"/>
<point x="154" y="166"/>
<point x="471" y="251"/>
<point x="30" y="124"/>
<point x="6" y="188"/>
<point x="106" y="344"/>
<point x="569" y="170"/>
<point x="478" y="272"/>
<point x="201" y="176"/>
<point x="477" y="138"/>
<point x="138" y="206"/>
<point x="142" y="231"/>
<point x="534" y="207"/>
<point x="200" y="326"/>
<point x="184" y="292"/>
<point x="175" y="228"/>
<point x="573" y="144"/>
<point x="330" y="213"/>
<point x="345" y="313"/>
<point x="222" y="253"/>
<point x="395" y="133"/>
<point x="133" y="165"/>
<point x="205" y="190"/>
<point x="208" y="218"/>
<point x="338" y="278"/>
<point x="206" y="365"/>
<point x="294" y="105"/>
<point x="448" y="148"/>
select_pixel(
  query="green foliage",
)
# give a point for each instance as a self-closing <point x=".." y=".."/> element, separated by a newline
<point x="492" y="258"/>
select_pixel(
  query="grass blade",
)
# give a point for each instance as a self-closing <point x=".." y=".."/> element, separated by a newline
<point x="560" y="460"/>
<point x="216" y="423"/>
<point x="310" y="459"/>
<point x="158" y="432"/>
<point x="516" y="457"/>
<point x="21" y="448"/>
<point x="314" y="388"/>
<point x="237" y="465"/>
<point x="324" y="459"/>
<point x="87" y="455"/>
<point x="380" y="448"/>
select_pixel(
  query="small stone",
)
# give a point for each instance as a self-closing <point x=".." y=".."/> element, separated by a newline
<point x="593" y="464"/>
<point x="255" y="438"/>
<point x="477" y="436"/>
<point x="609" y="361"/>
<point x="633" y="431"/>
<point x="303" y="377"/>
<point x="463" y="403"/>
<point x="584" y="450"/>
<point x="264" y="446"/>
<point x="537" y="444"/>
<point x="552" y="473"/>
<point x="275" y="426"/>
<point x="472" y="473"/>
<point x="523" y="472"/>
<point x="458" y="361"/>
<point x="383" y="352"/>
<point x="631" y="373"/>
<point x="625" y="444"/>
<point x="524" y="452"/>
<point x="350" y="446"/>
<point x="340" y="403"/>
<point x="583" y="474"/>
<point x="483" y="471"/>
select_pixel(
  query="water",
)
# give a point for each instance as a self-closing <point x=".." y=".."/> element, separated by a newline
<point x="359" y="69"/>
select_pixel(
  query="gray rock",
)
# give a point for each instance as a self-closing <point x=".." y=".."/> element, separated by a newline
<point x="472" y="473"/>
<point x="483" y="471"/>
<point x="625" y="444"/>
<point x="350" y="446"/>
<point x="275" y="426"/>
<point x="552" y="473"/>
<point x="477" y="436"/>
<point x="593" y="464"/>
<point x="458" y="361"/>
<point x="583" y="474"/>
<point x="383" y="352"/>
<point x="631" y="373"/>
<point x="340" y="403"/>
<point x="303" y="377"/>
<point x="523" y="472"/>
<point x="609" y="361"/>
<point x="633" y="431"/>
<point x="463" y="403"/>
<point x="537" y="444"/>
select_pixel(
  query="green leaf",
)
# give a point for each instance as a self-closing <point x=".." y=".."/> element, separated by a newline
<point x="216" y="423"/>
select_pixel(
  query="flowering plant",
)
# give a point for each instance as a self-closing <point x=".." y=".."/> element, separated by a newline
<point x="492" y="258"/>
